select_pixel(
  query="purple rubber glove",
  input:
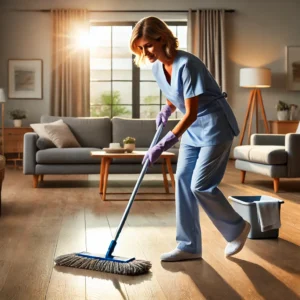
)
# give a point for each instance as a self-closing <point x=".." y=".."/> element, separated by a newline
<point x="163" y="115"/>
<point x="169" y="140"/>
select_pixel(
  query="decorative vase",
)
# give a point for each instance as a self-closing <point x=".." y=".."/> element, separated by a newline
<point x="130" y="147"/>
<point x="18" y="123"/>
<point x="283" y="115"/>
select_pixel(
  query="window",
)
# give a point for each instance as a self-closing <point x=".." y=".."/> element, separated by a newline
<point x="117" y="86"/>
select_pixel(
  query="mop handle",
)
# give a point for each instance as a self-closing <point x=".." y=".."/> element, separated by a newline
<point x="138" y="183"/>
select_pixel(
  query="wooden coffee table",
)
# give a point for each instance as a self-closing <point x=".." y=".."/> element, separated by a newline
<point x="107" y="157"/>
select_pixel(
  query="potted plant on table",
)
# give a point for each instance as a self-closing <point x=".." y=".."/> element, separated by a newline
<point x="283" y="111"/>
<point x="17" y="115"/>
<point x="129" y="143"/>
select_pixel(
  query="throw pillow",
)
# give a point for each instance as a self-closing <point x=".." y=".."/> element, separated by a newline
<point x="43" y="143"/>
<point x="61" y="136"/>
<point x="39" y="128"/>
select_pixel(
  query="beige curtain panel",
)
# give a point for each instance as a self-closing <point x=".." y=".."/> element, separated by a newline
<point x="70" y="91"/>
<point x="206" y="39"/>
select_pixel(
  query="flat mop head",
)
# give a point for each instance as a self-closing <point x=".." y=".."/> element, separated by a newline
<point x="75" y="260"/>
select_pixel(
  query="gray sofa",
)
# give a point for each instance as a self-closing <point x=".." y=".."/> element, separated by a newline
<point x="274" y="155"/>
<point x="92" y="134"/>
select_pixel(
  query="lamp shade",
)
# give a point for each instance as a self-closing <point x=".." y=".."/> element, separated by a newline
<point x="255" y="77"/>
<point x="2" y="95"/>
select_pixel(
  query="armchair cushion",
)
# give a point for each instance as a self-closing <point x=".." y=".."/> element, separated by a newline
<point x="268" y="139"/>
<point x="269" y="155"/>
<point x="274" y="171"/>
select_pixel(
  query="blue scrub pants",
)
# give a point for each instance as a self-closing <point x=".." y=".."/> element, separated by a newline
<point x="199" y="172"/>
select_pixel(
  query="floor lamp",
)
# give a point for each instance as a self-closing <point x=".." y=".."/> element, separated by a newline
<point x="255" y="78"/>
<point x="2" y="100"/>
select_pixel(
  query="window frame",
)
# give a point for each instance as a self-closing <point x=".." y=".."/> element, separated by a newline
<point x="135" y="105"/>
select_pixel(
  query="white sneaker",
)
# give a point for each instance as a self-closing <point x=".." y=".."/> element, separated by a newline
<point x="237" y="245"/>
<point x="178" y="255"/>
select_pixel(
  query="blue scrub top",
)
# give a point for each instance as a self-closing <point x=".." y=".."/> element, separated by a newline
<point x="215" y="122"/>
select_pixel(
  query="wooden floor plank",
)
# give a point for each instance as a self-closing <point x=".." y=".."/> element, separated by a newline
<point x="68" y="283"/>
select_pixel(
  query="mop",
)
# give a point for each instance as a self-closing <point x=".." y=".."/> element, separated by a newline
<point x="108" y="262"/>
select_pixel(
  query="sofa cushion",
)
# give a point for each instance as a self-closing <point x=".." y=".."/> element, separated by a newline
<point x="143" y="130"/>
<point x="270" y="155"/>
<point x="67" y="156"/>
<point x="61" y="136"/>
<point x="169" y="126"/>
<point x="89" y="132"/>
<point x="43" y="143"/>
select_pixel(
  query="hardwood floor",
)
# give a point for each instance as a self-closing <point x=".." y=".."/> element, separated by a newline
<point x="65" y="215"/>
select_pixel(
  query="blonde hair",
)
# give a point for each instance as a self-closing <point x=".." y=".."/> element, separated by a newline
<point x="152" y="28"/>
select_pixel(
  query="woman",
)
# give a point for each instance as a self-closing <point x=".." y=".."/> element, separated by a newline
<point x="207" y="129"/>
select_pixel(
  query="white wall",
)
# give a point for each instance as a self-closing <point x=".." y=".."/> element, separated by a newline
<point x="257" y="34"/>
<point x="26" y="36"/>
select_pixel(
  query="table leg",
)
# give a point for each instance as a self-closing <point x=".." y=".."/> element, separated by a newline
<point x="163" y="168"/>
<point x="169" y="166"/>
<point x="106" y="167"/>
<point x="102" y="165"/>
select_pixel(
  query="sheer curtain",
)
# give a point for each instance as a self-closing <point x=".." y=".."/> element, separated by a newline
<point x="70" y="91"/>
<point x="206" y="39"/>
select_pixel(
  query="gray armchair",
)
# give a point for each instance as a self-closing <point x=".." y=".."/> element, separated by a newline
<point x="274" y="155"/>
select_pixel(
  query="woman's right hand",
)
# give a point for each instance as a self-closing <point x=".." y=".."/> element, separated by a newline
<point x="163" y="115"/>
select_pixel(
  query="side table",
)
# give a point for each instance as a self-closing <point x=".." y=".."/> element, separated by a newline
<point x="283" y="127"/>
<point x="13" y="143"/>
<point x="107" y="157"/>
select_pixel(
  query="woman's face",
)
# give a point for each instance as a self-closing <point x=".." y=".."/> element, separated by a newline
<point x="152" y="49"/>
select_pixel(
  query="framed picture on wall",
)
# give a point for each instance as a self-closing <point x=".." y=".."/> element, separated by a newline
<point x="293" y="67"/>
<point x="25" y="79"/>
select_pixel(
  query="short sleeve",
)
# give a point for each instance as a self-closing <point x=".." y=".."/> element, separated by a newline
<point x="192" y="80"/>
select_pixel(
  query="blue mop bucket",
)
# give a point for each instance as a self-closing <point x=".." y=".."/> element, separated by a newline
<point x="246" y="208"/>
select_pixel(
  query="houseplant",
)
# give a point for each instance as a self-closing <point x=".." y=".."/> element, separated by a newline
<point x="17" y="115"/>
<point x="129" y="143"/>
<point x="283" y="111"/>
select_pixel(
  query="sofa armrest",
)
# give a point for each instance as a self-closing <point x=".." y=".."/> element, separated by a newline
<point x="29" y="152"/>
<point x="268" y="139"/>
<point x="292" y="147"/>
